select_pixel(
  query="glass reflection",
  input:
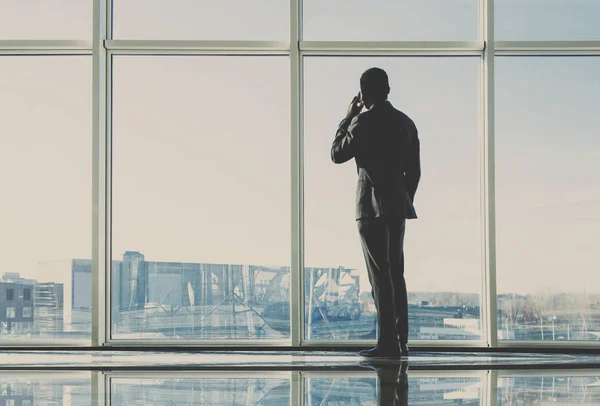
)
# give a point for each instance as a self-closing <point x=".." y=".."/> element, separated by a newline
<point x="390" y="384"/>
<point x="28" y="389"/>
<point x="559" y="389"/>
<point x="179" y="390"/>
<point x="375" y="383"/>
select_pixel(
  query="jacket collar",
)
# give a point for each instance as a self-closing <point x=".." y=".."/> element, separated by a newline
<point x="384" y="103"/>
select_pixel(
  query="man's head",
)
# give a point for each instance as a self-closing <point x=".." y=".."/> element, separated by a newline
<point x="374" y="86"/>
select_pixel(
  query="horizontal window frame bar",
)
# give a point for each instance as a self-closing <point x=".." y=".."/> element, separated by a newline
<point x="63" y="46"/>
<point x="306" y="48"/>
<point x="45" y="374"/>
<point x="192" y="45"/>
<point x="416" y="343"/>
<point x="392" y="53"/>
<point x="542" y="372"/>
<point x="548" y="344"/>
<point x="547" y="48"/>
<point x="33" y="344"/>
<point x="436" y="373"/>
<point x="218" y="374"/>
<point x="389" y="45"/>
<point x="392" y="48"/>
<point x="250" y="343"/>
<point x="194" y="52"/>
<point x="224" y="342"/>
<point x="44" y="52"/>
<point x="176" y="347"/>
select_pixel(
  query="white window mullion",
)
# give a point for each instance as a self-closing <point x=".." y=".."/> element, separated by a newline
<point x="489" y="316"/>
<point x="297" y="174"/>
<point x="99" y="178"/>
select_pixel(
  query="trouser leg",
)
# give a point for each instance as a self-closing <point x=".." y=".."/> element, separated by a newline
<point x="397" y="231"/>
<point x="375" y="235"/>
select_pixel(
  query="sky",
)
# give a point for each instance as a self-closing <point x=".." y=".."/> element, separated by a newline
<point x="201" y="169"/>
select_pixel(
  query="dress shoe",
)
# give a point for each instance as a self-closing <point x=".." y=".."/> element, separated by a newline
<point x="381" y="352"/>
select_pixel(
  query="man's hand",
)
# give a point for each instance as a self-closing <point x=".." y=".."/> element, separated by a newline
<point x="355" y="107"/>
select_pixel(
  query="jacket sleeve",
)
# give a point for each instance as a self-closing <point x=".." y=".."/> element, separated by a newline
<point x="346" y="140"/>
<point x="412" y="173"/>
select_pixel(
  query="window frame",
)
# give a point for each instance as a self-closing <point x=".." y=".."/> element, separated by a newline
<point x="102" y="47"/>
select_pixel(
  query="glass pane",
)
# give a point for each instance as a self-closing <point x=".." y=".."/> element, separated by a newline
<point x="547" y="20"/>
<point x="560" y="388"/>
<point x="382" y="20"/>
<point x="42" y="19"/>
<point x="443" y="261"/>
<point x="223" y="390"/>
<point x="548" y="198"/>
<point x="45" y="211"/>
<point x="201" y="197"/>
<point x="260" y="20"/>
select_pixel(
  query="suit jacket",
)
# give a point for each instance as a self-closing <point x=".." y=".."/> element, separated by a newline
<point x="384" y="143"/>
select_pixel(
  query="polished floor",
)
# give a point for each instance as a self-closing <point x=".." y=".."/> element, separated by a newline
<point x="295" y="378"/>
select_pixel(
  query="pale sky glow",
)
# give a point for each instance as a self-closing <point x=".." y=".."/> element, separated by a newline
<point x="382" y="20"/>
<point x="202" y="143"/>
<point x="441" y="97"/>
<point x="45" y="161"/>
<point x="548" y="173"/>
<point x="202" y="158"/>
<point x="43" y="19"/>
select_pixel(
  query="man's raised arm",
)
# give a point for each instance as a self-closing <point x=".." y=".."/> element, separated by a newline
<point x="344" y="144"/>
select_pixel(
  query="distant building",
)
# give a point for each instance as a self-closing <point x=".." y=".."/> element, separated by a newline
<point x="48" y="308"/>
<point x="16" y="305"/>
<point x="30" y="307"/>
<point x="427" y="322"/>
<point x="81" y="282"/>
<point x="158" y="298"/>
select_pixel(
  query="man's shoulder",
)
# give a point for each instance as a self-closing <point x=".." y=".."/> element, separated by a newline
<point x="402" y="116"/>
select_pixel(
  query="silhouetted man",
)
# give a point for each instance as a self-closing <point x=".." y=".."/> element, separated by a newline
<point x="385" y="145"/>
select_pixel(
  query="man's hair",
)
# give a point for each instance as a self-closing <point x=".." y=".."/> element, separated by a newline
<point x="375" y="81"/>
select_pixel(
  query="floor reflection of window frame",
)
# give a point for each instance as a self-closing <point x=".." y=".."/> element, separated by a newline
<point x="36" y="384"/>
<point x="551" y="385"/>
<point x="205" y="376"/>
<point x="483" y="386"/>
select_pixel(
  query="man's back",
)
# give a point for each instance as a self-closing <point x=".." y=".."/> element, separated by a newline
<point x="385" y="144"/>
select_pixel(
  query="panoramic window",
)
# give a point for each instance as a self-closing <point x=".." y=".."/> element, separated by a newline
<point x="548" y="198"/>
<point x="184" y="159"/>
<point x="443" y="265"/>
<point x="201" y="202"/>
<point x="45" y="210"/>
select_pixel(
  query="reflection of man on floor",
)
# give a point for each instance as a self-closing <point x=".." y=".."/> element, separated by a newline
<point x="392" y="382"/>
<point x="385" y="145"/>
